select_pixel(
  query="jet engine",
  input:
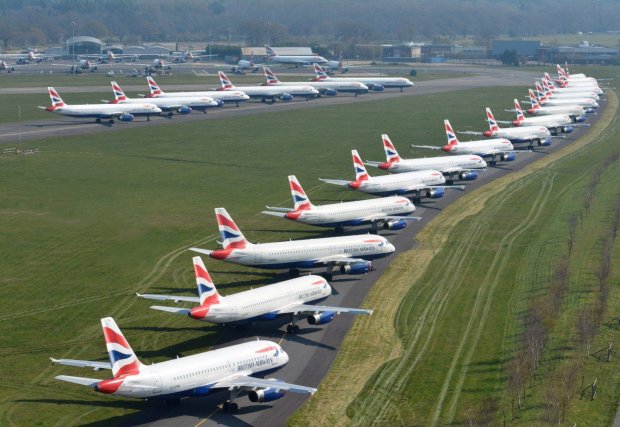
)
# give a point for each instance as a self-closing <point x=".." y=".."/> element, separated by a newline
<point x="322" y="318"/>
<point x="184" y="110"/>
<point x="329" y="92"/>
<point x="436" y="193"/>
<point x="265" y="395"/>
<point x="508" y="157"/>
<point x="395" y="225"/>
<point x="126" y="117"/>
<point x="376" y="87"/>
<point x="468" y="176"/>
<point x="361" y="267"/>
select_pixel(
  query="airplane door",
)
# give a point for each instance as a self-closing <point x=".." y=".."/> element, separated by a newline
<point x="157" y="384"/>
<point x="258" y="257"/>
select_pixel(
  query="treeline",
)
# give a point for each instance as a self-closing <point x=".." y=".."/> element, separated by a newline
<point x="295" y="22"/>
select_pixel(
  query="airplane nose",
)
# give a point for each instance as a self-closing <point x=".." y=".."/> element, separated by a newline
<point x="390" y="247"/>
<point x="285" y="357"/>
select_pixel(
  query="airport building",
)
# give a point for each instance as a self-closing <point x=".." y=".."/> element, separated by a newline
<point x="83" y="45"/>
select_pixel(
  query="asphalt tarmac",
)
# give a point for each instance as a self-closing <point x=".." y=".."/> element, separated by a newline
<point x="314" y="348"/>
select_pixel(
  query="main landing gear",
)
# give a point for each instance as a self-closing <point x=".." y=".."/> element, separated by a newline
<point x="229" y="406"/>
<point x="292" y="328"/>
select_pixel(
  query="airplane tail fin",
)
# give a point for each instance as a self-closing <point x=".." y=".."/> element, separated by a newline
<point x="124" y="361"/>
<point x="206" y="289"/>
<point x="55" y="98"/>
<point x="230" y="234"/>
<point x="492" y="123"/>
<point x="271" y="78"/>
<point x="320" y="72"/>
<point x="540" y="91"/>
<point x="300" y="199"/>
<point x="119" y="95"/>
<point x="270" y="52"/>
<point x="360" y="169"/>
<point x="153" y="87"/>
<point x="519" y="111"/>
<point x="225" y="81"/>
<point x="390" y="151"/>
<point x="452" y="140"/>
<point x="533" y="100"/>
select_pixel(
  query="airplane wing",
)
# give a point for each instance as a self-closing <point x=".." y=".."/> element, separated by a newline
<point x="429" y="147"/>
<point x="278" y="214"/>
<point x="379" y="217"/>
<point x="82" y="363"/>
<point x="341" y="182"/>
<point x="90" y="382"/>
<point x="247" y="382"/>
<point x="469" y="132"/>
<point x="176" y="310"/>
<point x="372" y="163"/>
<point x="169" y="298"/>
<point x="309" y="308"/>
<point x="201" y="251"/>
<point x="340" y="259"/>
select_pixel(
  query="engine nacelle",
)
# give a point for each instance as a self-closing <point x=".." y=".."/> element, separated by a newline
<point x="376" y="88"/>
<point x="329" y="92"/>
<point x="322" y="318"/>
<point x="568" y="129"/>
<point x="126" y="117"/>
<point x="468" y="176"/>
<point x="286" y="97"/>
<point x="361" y="267"/>
<point x="436" y="193"/>
<point x="579" y="119"/>
<point x="545" y="142"/>
<point x="395" y="225"/>
<point x="265" y="395"/>
<point x="508" y="157"/>
<point x="590" y="110"/>
<point x="184" y="110"/>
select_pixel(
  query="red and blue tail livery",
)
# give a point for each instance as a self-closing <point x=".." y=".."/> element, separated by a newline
<point x="55" y="98"/>
<point x="229" y="232"/>
<point x="452" y="140"/>
<point x="300" y="199"/>
<point x="493" y="127"/>
<point x="206" y="288"/>
<point x="122" y="358"/>
<point x="271" y="78"/>
<point x="390" y="151"/>
<point x="358" y="165"/>
<point x="225" y="81"/>
<point x="320" y="72"/>
<point x="154" y="88"/>
<point x="119" y="95"/>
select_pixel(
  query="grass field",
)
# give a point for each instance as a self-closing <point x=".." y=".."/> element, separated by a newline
<point x="92" y="219"/>
<point x="460" y="296"/>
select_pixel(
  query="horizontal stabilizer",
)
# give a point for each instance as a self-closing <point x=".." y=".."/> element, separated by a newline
<point x="279" y="214"/>
<point x="201" y="251"/>
<point x="372" y="163"/>
<point x="174" y="298"/>
<point x="176" y="310"/>
<point x="341" y="182"/>
<point x="90" y="382"/>
<point x="429" y="147"/>
<point x="272" y="208"/>
<point x="469" y="132"/>
<point x="82" y="363"/>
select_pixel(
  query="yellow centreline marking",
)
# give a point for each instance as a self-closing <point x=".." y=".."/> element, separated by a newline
<point x="282" y="339"/>
<point x="209" y="416"/>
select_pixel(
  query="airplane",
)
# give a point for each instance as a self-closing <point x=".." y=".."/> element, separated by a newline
<point x="296" y="60"/>
<point x="556" y="123"/>
<point x="544" y="100"/>
<point x="182" y="105"/>
<point x="290" y="298"/>
<point x="391" y="212"/>
<point x="335" y="66"/>
<point x="122" y="112"/>
<point x="574" y="111"/>
<point x="228" y="368"/>
<point x="353" y="254"/>
<point x="564" y="77"/>
<point x="235" y="96"/>
<point x="26" y="58"/>
<point x="6" y="67"/>
<point x="538" y="135"/>
<point x="328" y="88"/>
<point x="494" y="148"/>
<point x="377" y="84"/>
<point x="425" y="183"/>
<point x="269" y="93"/>
<point x="245" y="65"/>
<point x="463" y="167"/>
<point x="550" y="90"/>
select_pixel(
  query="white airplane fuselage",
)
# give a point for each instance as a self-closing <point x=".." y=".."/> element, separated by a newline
<point x="193" y="375"/>
<point x="550" y="121"/>
<point x="443" y="164"/>
<point x="322" y="86"/>
<point x="387" y="82"/>
<point x="297" y="60"/>
<point x="523" y="134"/>
<point x="307" y="253"/>
<point x="399" y="183"/>
<point x="582" y="102"/>
<point x="105" y="110"/>
<point x="221" y="95"/>
<point x="262" y="91"/>
<point x="571" y="110"/>
<point x="352" y="213"/>
<point x="480" y="146"/>
<point x="168" y="103"/>
<point x="265" y="301"/>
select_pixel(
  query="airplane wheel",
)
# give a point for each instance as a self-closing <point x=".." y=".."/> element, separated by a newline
<point x="289" y="329"/>
<point x="339" y="229"/>
<point x="293" y="272"/>
<point x="170" y="114"/>
<point x="111" y="121"/>
<point x="329" y="277"/>
<point x="295" y="329"/>
<point x="449" y="181"/>
<point x="98" y="121"/>
<point x="537" y="142"/>
<point x="492" y="162"/>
